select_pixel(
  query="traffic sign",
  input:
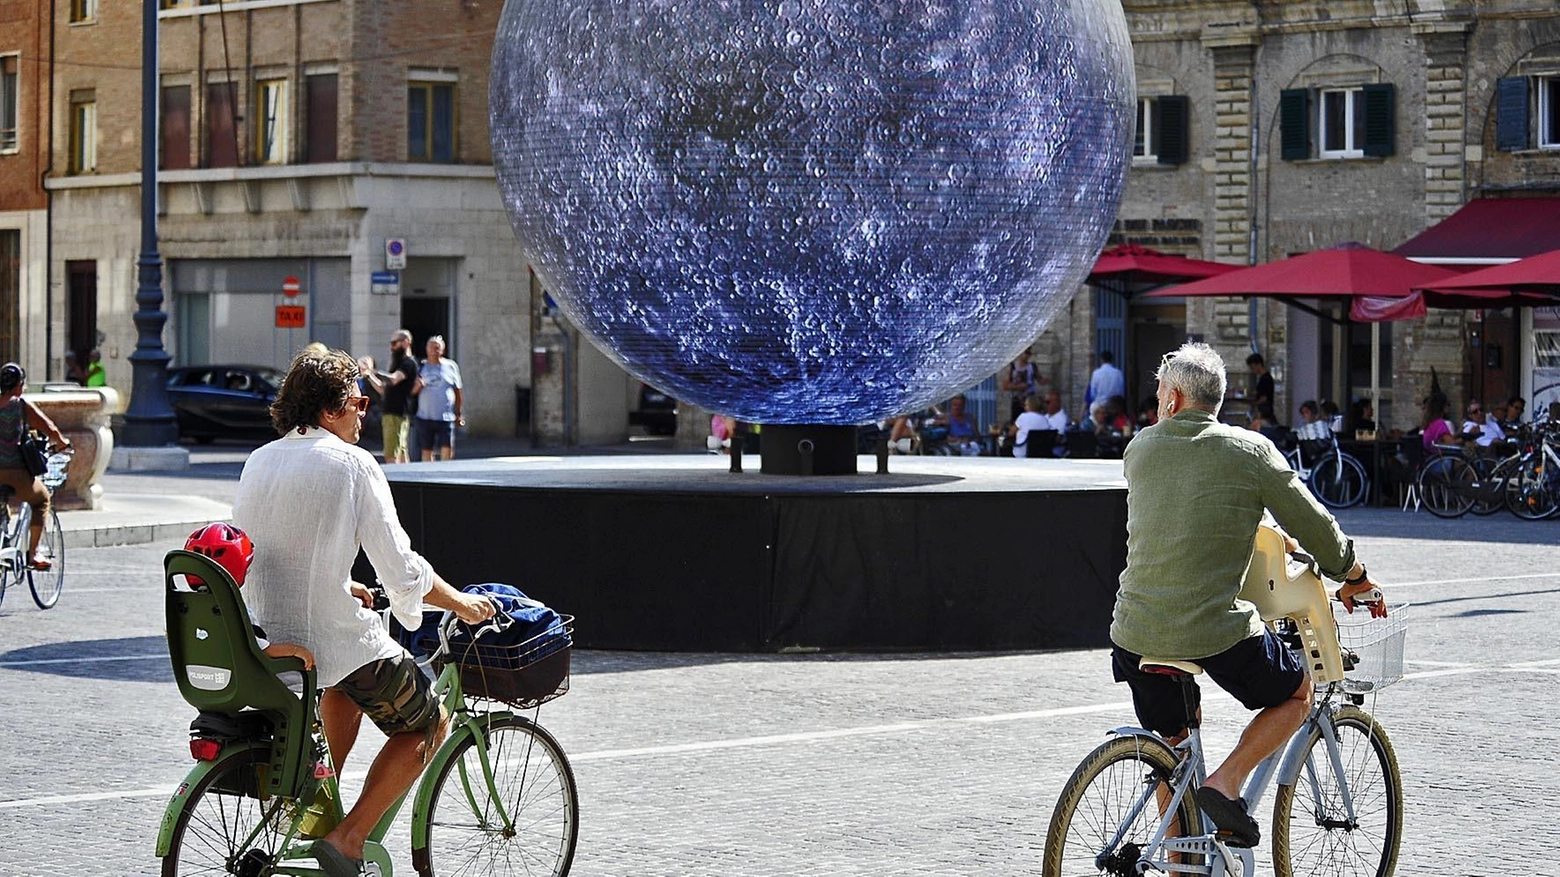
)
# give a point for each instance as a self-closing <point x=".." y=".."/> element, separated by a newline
<point x="395" y="254"/>
<point x="384" y="283"/>
<point x="291" y="287"/>
<point x="290" y="317"/>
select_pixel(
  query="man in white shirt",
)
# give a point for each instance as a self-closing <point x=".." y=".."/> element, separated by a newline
<point x="1105" y="382"/>
<point x="1055" y="417"/>
<point x="1484" y="429"/>
<point x="308" y="500"/>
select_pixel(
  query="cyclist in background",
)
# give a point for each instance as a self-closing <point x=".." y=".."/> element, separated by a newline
<point x="1196" y="492"/>
<point x="16" y="415"/>
<point x="309" y="500"/>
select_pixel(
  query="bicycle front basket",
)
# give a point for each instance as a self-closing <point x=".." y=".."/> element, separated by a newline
<point x="1372" y="647"/>
<point x="523" y="675"/>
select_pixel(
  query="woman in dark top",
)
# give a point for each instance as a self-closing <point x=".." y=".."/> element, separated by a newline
<point x="14" y="410"/>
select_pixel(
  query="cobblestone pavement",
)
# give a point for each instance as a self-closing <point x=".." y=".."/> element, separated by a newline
<point x="696" y="764"/>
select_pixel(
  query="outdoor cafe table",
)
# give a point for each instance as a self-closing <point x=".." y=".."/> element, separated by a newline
<point x="1371" y="453"/>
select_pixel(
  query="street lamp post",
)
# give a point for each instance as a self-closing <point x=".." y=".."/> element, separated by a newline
<point x="149" y="420"/>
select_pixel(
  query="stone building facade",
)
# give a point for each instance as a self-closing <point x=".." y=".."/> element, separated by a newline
<point x="1268" y="171"/>
<point x="301" y="137"/>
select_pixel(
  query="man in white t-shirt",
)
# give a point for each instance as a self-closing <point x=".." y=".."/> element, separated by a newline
<point x="308" y="500"/>
<point x="1484" y="429"/>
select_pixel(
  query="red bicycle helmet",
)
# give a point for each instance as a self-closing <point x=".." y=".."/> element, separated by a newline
<point x="227" y="545"/>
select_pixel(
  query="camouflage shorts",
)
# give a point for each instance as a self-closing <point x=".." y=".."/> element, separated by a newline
<point x="394" y="694"/>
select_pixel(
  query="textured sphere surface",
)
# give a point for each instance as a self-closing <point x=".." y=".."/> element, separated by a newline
<point x="812" y="211"/>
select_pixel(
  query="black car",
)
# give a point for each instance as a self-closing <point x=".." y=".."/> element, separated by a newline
<point x="657" y="412"/>
<point x="224" y="401"/>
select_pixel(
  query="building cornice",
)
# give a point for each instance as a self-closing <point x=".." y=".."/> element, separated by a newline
<point x="407" y="170"/>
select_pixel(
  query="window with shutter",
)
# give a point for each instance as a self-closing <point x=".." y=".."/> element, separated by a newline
<point x="1340" y="123"/>
<point x="1173" y="140"/>
<point x="1511" y="113"/>
<point x="1548" y="88"/>
<point x="1380" y="119"/>
<point x="1294" y="121"/>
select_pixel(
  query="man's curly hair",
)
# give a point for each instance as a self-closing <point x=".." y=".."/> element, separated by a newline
<point x="316" y="383"/>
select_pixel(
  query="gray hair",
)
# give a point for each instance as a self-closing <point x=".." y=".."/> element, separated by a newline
<point x="439" y="340"/>
<point x="1198" y="372"/>
<point x="402" y="333"/>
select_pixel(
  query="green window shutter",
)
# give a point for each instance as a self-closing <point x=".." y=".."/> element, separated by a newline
<point x="1294" y="124"/>
<point x="1511" y="113"/>
<point x="1172" y="128"/>
<point x="1380" y="119"/>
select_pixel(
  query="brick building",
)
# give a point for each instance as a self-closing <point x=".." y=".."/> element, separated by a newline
<point x="1273" y="129"/>
<point x="24" y="162"/>
<point x="298" y="139"/>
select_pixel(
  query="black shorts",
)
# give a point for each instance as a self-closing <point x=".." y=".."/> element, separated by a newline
<point x="394" y="694"/>
<point x="1259" y="671"/>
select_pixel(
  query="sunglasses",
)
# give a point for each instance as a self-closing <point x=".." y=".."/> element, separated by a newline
<point x="360" y="402"/>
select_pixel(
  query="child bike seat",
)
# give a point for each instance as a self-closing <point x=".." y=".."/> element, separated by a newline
<point x="1281" y="589"/>
<point x="220" y="668"/>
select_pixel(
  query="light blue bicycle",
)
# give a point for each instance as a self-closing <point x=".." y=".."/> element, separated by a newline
<point x="1129" y="810"/>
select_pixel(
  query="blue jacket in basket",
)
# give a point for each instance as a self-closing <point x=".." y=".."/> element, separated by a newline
<point x="523" y="632"/>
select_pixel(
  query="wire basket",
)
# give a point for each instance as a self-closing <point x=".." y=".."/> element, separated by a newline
<point x="523" y="675"/>
<point x="1372" y="647"/>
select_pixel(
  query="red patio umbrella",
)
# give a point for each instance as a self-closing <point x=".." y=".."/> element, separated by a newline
<point x="1534" y="275"/>
<point x="1344" y="271"/>
<point x="1132" y="268"/>
<point x="1348" y="270"/>
<point x="1381" y="309"/>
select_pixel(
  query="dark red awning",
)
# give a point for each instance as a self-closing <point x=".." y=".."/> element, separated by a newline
<point x="1489" y="230"/>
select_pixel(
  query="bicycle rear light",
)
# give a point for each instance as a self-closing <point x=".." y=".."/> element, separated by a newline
<point x="202" y="749"/>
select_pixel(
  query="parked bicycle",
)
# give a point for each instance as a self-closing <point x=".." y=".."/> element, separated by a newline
<point x="497" y="798"/>
<point x="15" y="565"/>
<point x="1334" y="476"/>
<point x="1129" y="807"/>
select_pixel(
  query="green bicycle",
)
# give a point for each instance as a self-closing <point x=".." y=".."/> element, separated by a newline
<point x="498" y="797"/>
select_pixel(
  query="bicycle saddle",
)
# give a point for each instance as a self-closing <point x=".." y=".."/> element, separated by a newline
<point x="1170" y="667"/>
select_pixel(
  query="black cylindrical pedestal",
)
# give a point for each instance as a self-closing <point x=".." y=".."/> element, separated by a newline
<point x="808" y="449"/>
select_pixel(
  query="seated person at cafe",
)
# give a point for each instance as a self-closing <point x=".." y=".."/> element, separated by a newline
<point x="1312" y="426"/>
<point x="1031" y="421"/>
<point x="963" y="435"/>
<point x="1331" y="416"/>
<point x="1481" y="429"/>
<point x="1437" y="434"/>
<point x="1516" y="408"/>
<point x="1362" y="415"/>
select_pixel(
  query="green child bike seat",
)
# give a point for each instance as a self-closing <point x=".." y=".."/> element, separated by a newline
<point x="220" y="668"/>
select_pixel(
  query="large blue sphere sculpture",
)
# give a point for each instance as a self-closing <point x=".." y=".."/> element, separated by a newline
<point x="812" y="211"/>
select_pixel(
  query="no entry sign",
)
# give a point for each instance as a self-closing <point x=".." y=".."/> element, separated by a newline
<point x="291" y="287"/>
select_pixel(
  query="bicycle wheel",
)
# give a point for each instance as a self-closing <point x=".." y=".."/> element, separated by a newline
<point x="225" y="827"/>
<point x="47" y="583"/>
<point x="1339" y="482"/>
<point x="1446" y="487"/>
<point x="467" y="833"/>
<point x="1527" y="491"/>
<point x="1312" y="833"/>
<point x="1097" y="801"/>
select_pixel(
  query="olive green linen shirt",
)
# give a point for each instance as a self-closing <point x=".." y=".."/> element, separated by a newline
<point x="1196" y="490"/>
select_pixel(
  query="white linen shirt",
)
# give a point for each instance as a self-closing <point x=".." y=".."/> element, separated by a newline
<point x="308" y="501"/>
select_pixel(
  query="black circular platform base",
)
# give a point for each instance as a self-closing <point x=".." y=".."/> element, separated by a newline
<point x="677" y="553"/>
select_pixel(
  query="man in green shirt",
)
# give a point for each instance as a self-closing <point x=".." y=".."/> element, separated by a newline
<point x="1196" y="491"/>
